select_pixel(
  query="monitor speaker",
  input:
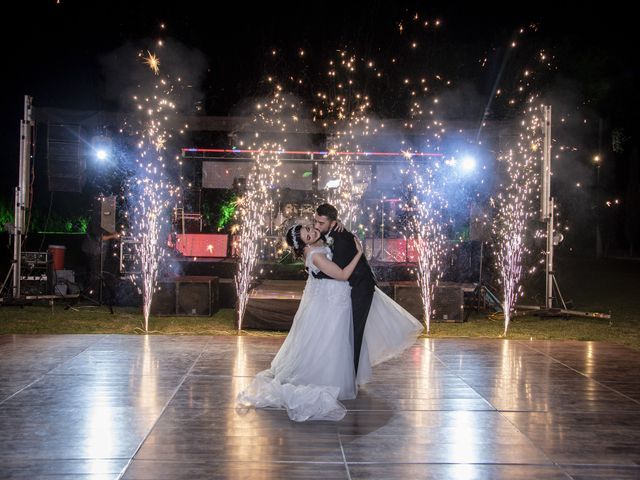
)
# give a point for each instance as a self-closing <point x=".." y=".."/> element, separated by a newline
<point x="197" y="296"/>
<point x="186" y="296"/>
<point x="407" y="295"/>
<point x="448" y="301"/>
<point x="448" y="304"/>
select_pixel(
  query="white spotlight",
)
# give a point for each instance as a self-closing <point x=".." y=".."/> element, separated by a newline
<point x="102" y="154"/>
<point x="468" y="164"/>
<point x="102" y="147"/>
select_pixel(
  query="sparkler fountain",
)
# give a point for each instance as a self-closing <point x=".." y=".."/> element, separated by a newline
<point x="149" y="192"/>
<point x="255" y="207"/>
<point x="149" y="220"/>
<point x="425" y="206"/>
<point x="514" y="205"/>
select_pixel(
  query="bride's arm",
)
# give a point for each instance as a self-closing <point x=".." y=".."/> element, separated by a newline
<point x="329" y="268"/>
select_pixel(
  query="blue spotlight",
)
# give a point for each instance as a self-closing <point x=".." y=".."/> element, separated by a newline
<point x="468" y="164"/>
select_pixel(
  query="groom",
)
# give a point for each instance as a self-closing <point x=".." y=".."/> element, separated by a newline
<point x="362" y="280"/>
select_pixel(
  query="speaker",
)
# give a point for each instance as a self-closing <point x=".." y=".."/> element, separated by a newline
<point x="462" y="264"/>
<point x="447" y="305"/>
<point x="197" y="296"/>
<point x="108" y="214"/>
<point x="479" y="223"/>
<point x="407" y="295"/>
<point x="163" y="302"/>
<point x="65" y="160"/>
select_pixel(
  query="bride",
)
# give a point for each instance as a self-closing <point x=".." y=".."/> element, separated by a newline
<point x="314" y="370"/>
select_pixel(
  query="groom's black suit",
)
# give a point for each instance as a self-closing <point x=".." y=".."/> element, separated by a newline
<point x="362" y="284"/>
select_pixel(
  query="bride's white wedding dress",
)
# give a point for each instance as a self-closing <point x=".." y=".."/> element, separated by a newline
<point x="314" y="369"/>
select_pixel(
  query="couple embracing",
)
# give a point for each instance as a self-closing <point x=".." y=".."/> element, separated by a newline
<point x="343" y="327"/>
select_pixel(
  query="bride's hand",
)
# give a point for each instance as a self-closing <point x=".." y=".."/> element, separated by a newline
<point x="358" y="244"/>
<point x="338" y="227"/>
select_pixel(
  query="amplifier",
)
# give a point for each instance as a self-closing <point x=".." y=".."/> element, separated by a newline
<point x="38" y="286"/>
<point x="34" y="264"/>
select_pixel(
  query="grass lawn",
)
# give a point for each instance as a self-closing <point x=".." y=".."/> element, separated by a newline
<point x="610" y="286"/>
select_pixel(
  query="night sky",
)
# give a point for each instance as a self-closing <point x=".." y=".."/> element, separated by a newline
<point x="59" y="56"/>
<point x="68" y="55"/>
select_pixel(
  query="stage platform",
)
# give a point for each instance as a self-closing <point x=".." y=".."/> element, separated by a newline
<point x="273" y="303"/>
<point x="162" y="407"/>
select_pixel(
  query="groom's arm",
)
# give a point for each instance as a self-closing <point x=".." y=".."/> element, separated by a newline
<point x="344" y="248"/>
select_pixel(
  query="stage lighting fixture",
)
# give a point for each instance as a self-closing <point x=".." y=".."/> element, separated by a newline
<point x="557" y="238"/>
<point x="468" y="164"/>
<point x="102" y="154"/>
<point x="102" y="147"/>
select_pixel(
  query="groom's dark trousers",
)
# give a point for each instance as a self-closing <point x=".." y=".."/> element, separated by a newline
<point x="362" y="284"/>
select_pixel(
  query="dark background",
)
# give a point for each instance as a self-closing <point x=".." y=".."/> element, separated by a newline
<point x="74" y="55"/>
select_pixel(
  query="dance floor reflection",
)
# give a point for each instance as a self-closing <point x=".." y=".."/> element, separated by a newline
<point x="162" y="407"/>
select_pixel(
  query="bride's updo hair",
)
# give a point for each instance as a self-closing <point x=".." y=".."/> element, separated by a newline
<point x="294" y="240"/>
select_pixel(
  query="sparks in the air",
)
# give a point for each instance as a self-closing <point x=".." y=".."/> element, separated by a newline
<point x="514" y="208"/>
<point x="425" y="226"/>
<point x="153" y="62"/>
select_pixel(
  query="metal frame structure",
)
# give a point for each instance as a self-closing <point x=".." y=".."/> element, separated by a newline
<point x="547" y="208"/>
<point x="21" y="196"/>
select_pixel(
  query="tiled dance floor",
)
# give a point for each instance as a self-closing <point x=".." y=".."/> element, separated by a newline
<point x="162" y="407"/>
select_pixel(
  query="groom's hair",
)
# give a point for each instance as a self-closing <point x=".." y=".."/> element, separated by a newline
<point x="326" y="210"/>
